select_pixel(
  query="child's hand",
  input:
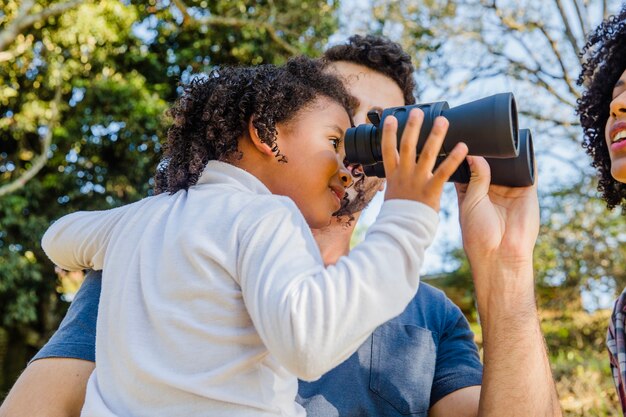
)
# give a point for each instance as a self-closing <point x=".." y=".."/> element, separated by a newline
<point x="410" y="180"/>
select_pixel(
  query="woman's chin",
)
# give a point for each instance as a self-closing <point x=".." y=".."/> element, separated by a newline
<point x="618" y="171"/>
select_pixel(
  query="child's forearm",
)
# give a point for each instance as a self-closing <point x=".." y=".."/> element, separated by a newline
<point x="312" y="318"/>
<point x="78" y="241"/>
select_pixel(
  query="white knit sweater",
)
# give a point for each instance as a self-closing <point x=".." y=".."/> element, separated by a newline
<point x="215" y="299"/>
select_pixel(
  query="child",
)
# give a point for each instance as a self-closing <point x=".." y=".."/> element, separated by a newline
<point x="215" y="296"/>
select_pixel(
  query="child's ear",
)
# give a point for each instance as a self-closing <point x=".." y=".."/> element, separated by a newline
<point x="261" y="146"/>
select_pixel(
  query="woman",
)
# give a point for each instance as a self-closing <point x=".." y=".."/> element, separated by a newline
<point x="602" y="111"/>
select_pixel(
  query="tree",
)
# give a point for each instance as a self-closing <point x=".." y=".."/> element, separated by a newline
<point x="83" y="89"/>
<point x="531" y="48"/>
<point x="536" y="48"/>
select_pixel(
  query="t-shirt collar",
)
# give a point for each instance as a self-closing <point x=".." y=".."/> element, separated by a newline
<point x="217" y="172"/>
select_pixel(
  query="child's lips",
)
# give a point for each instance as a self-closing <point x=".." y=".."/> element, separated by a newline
<point x="339" y="192"/>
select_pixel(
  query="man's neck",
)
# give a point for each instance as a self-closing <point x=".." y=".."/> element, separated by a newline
<point x="334" y="239"/>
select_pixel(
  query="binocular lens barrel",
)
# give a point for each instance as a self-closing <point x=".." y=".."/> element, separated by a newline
<point x="511" y="172"/>
<point x="519" y="171"/>
<point x="487" y="126"/>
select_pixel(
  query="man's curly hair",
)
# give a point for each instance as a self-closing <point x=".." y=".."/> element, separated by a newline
<point x="604" y="60"/>
<point x="379" y="54"/>
<point x="214" y="111"/>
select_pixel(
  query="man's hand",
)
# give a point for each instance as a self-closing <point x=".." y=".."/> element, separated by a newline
<point x="499" y="226"/>
<point x="497" y="220"/>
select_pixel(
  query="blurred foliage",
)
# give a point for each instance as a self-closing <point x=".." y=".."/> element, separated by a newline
<point x="581" y="247"/>
<point x="578" y="360"/>
<point x="83" y="89"/>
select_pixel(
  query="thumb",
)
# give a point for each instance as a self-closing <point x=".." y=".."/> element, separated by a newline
<point x="480" y="176"/>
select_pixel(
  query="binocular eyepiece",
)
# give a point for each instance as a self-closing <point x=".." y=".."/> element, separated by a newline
<point x="487" y="126"/>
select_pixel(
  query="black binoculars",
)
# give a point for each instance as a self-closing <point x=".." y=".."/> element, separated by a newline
<point x="487" y="126"/>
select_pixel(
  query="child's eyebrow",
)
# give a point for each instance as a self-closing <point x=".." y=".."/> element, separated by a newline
<point x="619" y="83"/>
<point x="337" y="129"/>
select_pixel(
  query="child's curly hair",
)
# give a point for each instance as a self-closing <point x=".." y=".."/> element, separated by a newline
<point x="604" y="60"/>
<point x="214" y="111"/>
<point x="379" y="54"/>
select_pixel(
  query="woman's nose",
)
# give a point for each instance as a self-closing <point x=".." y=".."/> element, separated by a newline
<point x="618" y="105"/>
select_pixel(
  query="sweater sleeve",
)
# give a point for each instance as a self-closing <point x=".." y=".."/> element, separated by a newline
<point x="312" y="318"/>
<point x="79" y="240"/>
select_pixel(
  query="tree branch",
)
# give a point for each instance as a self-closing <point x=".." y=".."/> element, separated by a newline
<point x="538" y="63"/>
<point x="183" y="9"/>
<point x="581" y="20"/>
<point x="40" y="161"/>
<point x="568" y="30"/>
<point x="23" y="20"/>
<point x="559" y="59"/>
<point x="19" y="49"/>
<point x="543" y="118"/>
<point x="538" y="74"/>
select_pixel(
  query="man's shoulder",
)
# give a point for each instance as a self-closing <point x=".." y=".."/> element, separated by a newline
<point x="430" y="308"/>
<point x="432" y="294"/>
<point x="431" y="299"/>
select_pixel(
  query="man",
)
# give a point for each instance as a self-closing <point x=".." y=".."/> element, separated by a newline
<point x="423" y="362"/>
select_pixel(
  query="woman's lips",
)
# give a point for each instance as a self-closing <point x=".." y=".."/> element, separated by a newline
<point x="616" y="130"/>
<point x="617" y="136"/>
<point x="618" y="146"/>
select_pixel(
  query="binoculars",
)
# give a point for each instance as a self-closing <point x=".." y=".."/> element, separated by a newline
<point x="487" y="126"/>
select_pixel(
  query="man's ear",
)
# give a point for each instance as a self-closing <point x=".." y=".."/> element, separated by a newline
<point x="261" y="146"/>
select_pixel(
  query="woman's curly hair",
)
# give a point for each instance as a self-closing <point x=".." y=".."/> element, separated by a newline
<point x="379" y="54"/>
<point x="604" y="60"/>
<point x="213" y="113"/>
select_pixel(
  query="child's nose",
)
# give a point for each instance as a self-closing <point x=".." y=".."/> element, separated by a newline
<point x="344" y="175"/>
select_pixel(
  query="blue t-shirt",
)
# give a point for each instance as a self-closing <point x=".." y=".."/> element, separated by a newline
<point x="403" y="368"/>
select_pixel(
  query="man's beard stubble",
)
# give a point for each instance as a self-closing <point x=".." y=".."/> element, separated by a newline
<point x="363" y="191"/>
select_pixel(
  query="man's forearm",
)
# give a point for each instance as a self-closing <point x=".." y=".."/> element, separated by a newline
<point x="53" y="387"/>
<point x="517" y="380"/>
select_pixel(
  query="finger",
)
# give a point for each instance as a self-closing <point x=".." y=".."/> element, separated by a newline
<point x="450" y="164"/>
<point x="408" y="145"/>
<point x="389" y="143"/>
<point x="432" y="147"/>
<point x="480" y="177"/>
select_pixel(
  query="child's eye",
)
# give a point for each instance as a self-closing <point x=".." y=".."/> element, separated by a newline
<point x="336" y="142"/>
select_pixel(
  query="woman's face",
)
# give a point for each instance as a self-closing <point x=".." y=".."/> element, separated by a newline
<point x="314" y="176"/>
<point x="615" y="131"/>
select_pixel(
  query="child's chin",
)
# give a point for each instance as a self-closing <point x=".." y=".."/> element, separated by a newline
<point x="319" y="222"/>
